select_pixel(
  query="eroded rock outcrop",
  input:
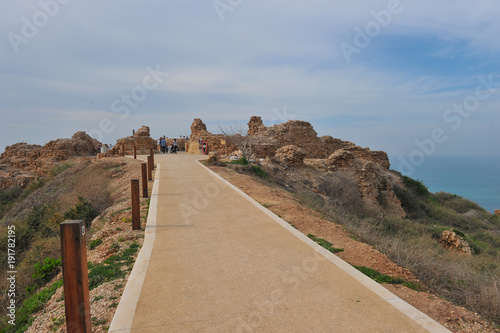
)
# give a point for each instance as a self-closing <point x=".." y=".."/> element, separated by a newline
<point x="339" y="166"/>
<point x="141" y="140"/>
<point x="267" y="140"/>
<point x="291" y="156"/>
<point x="40" y="159"/>
<point x="340" y="160"/>
<point x="453" y="242"/>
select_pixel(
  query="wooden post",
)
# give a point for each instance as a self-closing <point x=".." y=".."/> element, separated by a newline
<point x="145" y="193"/>
<point x="136" y="205"/>
<point x="150" y="170"/>
<point x="152" y="159"/>
<point x="135" y="152"/>
<point x="123" y="150"/>
<point x="75" y="277"/>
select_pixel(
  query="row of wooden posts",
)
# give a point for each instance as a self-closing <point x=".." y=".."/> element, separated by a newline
<point x="74" y="256"/>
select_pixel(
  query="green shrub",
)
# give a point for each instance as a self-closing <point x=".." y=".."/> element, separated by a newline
<point x="242" y="161"/>
<point x="417" y="186"/>
<point x="408" y="200"/>
<point x="33" y="304"/>
<point x="111" y="268"/>
<point x="95" y="243"/>
<point x="378" y="277"/>
<point x="81" y="211"/>
<point x="103" y="272"/>
<point x="39" y="216"/>
<point x="260" y="172"/>
<point x="45" y="271"/>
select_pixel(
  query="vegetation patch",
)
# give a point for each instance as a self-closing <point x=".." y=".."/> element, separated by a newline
<point x="82" y="211"/>
<point x="241" y="161"/>
<point x="261" y="173"/>
<point x="112" y="268"/>
<point x="326" y="244"/>
<point x="95" y="243"/>
<point x="30" y="306"/>
<point x="378" y="277"/>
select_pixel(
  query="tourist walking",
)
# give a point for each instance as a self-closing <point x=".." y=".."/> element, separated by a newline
<point x="163" y="144"/>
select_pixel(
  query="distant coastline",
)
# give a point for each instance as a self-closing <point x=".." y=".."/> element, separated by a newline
<point x="476" y="178"/>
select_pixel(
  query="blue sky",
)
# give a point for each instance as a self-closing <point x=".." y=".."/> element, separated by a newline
<point x="230" y="59"/>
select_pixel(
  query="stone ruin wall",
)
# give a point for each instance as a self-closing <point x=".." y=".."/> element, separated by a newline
<point x="216" y="142"/>
<point x="141" y="140"/>
<point x="267" y="140"/>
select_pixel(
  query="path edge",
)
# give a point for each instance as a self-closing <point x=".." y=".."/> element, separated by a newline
<point x="410" y="311"/>
<point x="125" y="312"/>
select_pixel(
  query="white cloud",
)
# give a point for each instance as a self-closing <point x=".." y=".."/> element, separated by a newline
<point x="264" y="55"/>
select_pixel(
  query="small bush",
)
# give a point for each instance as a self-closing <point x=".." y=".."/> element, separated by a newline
<point x="242" y="161"/>
<point x="416" y="186"/>
<point x="261" y="173"/>
<point x="95" y="243"/>
<point x="39" y="216"/>
<point x="44" y="272"/>
<point x="81" y="211"/>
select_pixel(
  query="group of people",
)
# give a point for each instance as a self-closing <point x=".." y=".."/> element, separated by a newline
<point x="166" y="148"/>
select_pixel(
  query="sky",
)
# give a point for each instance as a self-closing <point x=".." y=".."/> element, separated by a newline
<point x="412" y="78"/>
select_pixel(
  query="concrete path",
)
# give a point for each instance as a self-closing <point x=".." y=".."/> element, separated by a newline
<point x="222" y="263"/>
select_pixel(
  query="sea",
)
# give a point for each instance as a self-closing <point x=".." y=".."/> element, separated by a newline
<point x="476" y="178"/>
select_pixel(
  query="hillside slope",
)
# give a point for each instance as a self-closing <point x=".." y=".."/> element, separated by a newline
<point x="97" y="191"/>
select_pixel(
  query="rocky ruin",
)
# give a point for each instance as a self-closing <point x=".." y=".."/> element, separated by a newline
<point x="216" y="142"/>
<point x="21" y="163"/>
<point x="295" y="144"/>
<point x="291" y="156"/>
<point x="141" y="140"/>
<point x="39" y="159"/>
<point x="454" y="242"/>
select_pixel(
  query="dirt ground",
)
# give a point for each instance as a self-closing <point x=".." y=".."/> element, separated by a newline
<point x="282" y="203"/>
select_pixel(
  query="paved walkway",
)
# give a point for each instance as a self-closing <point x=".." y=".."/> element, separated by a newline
<point x="214" y="261"/>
